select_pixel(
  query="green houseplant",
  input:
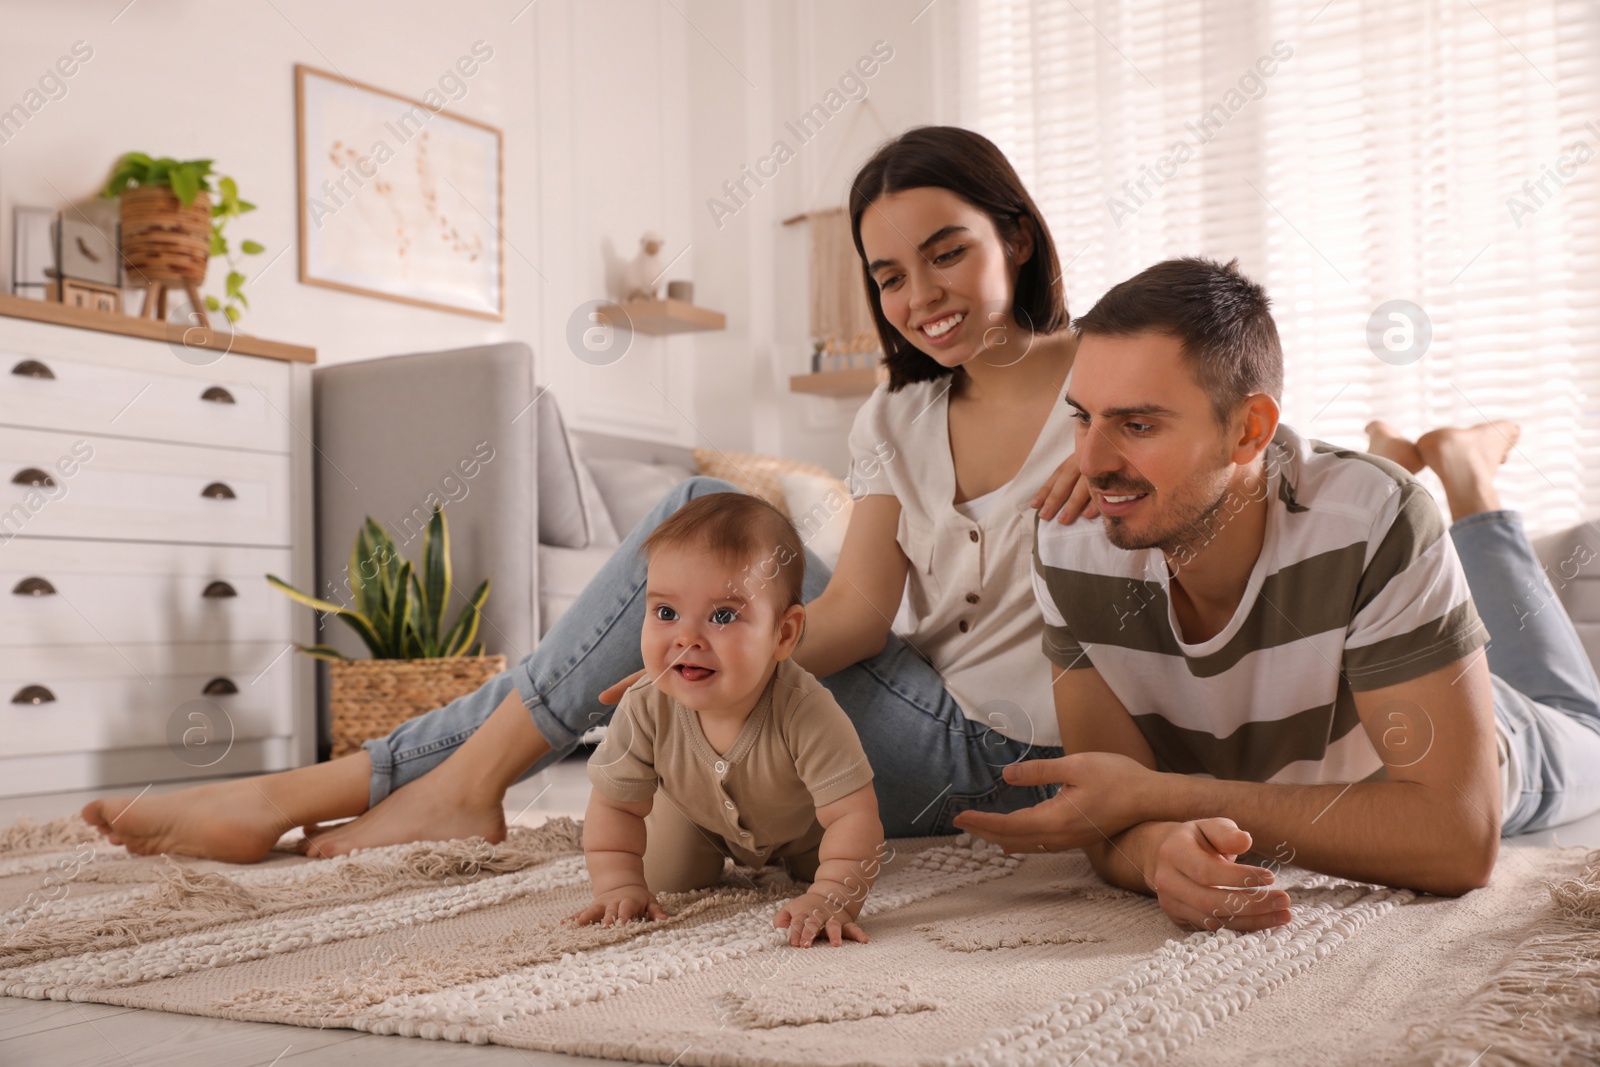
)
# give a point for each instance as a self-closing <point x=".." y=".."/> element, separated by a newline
<point x="174" y="219"/>
<point x="398" y="610"/>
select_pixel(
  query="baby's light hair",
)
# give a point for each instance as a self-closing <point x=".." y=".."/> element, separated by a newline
<point x="740" y="529"/>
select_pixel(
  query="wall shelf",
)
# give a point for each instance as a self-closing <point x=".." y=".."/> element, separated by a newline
<point x="664" y="316"/>
<point x="857" y="381"/>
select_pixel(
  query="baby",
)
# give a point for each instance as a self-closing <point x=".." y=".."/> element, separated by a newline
<point x="749" y="756"/>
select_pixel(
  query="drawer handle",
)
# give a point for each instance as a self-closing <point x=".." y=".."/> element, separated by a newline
<point x="219" y="687"/>
<point x="217" y="395"/>
<point x="215" y="491"/>
<point x="220" y="590"/>
<point x="33" y="587"/>
<point x="33" y="694"/>
<point x="32" y="368"/>
<point x="34" y="478"/>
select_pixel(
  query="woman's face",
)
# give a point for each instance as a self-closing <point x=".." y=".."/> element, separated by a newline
<point x="943" y="278"/>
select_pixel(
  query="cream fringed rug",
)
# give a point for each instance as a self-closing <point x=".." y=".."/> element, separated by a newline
<point x="976" y="958"/>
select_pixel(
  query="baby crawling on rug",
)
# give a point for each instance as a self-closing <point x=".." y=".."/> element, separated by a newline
<point x="727" y="747"/>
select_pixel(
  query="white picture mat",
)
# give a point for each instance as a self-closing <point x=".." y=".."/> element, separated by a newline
<point x="398" y="200"/>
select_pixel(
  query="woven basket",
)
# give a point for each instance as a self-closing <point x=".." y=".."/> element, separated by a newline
<point x="372" y="696"/>
<point x="161" y="239"/>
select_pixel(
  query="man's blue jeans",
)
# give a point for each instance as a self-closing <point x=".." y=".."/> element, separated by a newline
<point x="929" y="760"/>
<point x="1546" y="697"/>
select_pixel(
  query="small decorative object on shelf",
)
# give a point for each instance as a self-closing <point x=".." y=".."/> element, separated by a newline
<point x="417" y="665"/>
<point x="681" y="290"/>
<point x="33" y="252"/>
<point x="644" y="272"/>
<point x="171" y="227"/>
<point x="91" y="296"/>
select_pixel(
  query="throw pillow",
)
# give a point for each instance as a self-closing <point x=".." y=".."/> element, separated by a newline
<point x="820" y="507"/>
<point x="755" y="473"/>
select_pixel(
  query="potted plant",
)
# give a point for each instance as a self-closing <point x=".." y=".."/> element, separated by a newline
<point x="173" y="221"/>
<point x="398" y="611"/>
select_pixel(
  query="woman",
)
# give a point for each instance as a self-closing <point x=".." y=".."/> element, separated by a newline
<point x="964" y="285"/>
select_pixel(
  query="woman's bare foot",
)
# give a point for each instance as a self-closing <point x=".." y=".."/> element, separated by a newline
<point x="431" y="808"/>
<point x="1384" y="440"/>
<point x="235" y="821"/>
<point x="229" y="821"/>
<point x="1466" y="461"/>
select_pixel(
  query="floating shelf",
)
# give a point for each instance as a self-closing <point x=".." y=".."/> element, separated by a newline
<point x="17" y="307"/>
<point x="665" y="316"/>
<point x="857" y="381"/>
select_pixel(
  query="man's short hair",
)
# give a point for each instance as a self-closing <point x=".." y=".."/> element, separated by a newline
<point x="741" y="530"/>
<point x="1222" y="318"/>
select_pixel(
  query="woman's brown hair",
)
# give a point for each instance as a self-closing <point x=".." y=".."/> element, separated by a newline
<point x="970" y="166"/>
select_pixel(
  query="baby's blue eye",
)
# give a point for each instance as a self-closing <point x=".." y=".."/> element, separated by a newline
<point x="723" y="616"/>
<point x="665" y="613"/>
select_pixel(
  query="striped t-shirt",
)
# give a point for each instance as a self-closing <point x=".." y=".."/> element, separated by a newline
<point x="1357" y="587"/>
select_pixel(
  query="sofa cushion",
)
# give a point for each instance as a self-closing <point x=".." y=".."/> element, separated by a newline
<point x="631" y="487"/>
<point x="571" y="514"/>
<point x="820" y="507"/>
<point x="563" y="574"/>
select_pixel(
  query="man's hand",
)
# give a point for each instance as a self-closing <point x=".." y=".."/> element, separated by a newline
<point x="618" y="906"/>
<point x="613" y="694"/>
<point x="1066" y="491"/>
<point x="1193" y="874"/>
<point x="811" y="914"/>
<point x="1099" y="798"/>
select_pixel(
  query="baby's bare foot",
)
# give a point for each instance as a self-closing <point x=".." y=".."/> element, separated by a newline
<point x="229" y="821"/>
<point x="1384" y="440"/>
<point x="429" y="809"/>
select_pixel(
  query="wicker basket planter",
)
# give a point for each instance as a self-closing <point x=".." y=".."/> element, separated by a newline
<point x="161" y="239"/>
<point x="370" y="697"/>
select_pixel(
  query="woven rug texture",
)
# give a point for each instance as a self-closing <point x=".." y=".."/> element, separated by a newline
<point x="976" y="958"/>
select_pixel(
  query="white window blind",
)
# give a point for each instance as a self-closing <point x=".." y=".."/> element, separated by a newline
<point x="1442" y="152"/>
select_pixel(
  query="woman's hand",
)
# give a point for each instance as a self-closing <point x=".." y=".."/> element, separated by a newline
<point x="1066" y="495"/>
<point x="618" y="906"/>
<point x="1193" y="871"/>
<point x="811" y="914"/>
<point x="614" y="693"/>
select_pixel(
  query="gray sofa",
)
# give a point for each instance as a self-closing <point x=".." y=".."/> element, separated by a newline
<point x="534" y="508"/>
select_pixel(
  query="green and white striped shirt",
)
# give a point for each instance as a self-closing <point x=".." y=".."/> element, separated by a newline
<point x="1357" y="587"/>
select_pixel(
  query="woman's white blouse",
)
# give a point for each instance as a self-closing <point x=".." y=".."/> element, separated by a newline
<point x="970" y="587"/>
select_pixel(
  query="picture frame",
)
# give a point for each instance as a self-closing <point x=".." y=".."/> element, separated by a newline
<point x="398" y="198"/>
<point x="33" y="252"/>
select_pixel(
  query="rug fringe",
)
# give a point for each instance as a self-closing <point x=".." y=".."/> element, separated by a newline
<point x="1543" y="1008"/>
<point x="57" y="835"/>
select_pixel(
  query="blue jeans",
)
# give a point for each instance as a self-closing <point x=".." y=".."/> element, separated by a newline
<point x="929" y="760"/>
<point x="1546" y="697"/>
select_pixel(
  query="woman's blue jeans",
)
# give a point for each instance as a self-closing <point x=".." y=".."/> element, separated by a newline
<point x="929" y="760"/>
<point x="1546" y="697"/>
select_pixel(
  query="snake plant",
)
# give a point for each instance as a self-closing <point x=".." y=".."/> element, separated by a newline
<point x="398" y="612"/>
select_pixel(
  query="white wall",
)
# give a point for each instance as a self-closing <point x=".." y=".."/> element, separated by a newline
<point x="618" y="116"/>
<point x="191" y="79"/>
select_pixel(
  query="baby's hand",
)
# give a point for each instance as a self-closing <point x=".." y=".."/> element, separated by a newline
<point x="807" y="916"/>
<point x="618" y="906"/>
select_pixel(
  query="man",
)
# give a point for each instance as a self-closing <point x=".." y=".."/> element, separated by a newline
<point x="1270" y="640"/>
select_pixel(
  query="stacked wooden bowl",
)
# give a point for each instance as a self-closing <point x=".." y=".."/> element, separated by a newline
<point x="162" y="240"/>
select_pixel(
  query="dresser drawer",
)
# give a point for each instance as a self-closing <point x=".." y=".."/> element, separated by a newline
<point x="142" y="696"/>
<point x="76" y="485"/>
<point x="150" y="393"/>
<point x="82" y="593"/>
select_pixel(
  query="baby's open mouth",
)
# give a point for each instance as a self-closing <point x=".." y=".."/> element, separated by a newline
<point x="692" y="673"/>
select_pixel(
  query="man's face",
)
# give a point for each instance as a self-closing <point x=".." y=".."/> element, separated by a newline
<point x="1148" y="442"/>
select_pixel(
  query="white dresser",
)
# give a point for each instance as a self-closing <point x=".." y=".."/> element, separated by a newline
<point x="146" y="488"/>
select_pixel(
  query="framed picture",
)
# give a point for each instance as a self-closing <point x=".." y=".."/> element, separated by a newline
<point x="398" y="199"/>
<point x="33" y="252"/>
<point x="86" y="253"/>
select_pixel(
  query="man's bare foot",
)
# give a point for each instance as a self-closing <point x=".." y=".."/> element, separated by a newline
<point x="229" y="821"/>
<point x="1466" y="461"/>
<point x="1384" y="440"/>
<point x="428" y="809"/>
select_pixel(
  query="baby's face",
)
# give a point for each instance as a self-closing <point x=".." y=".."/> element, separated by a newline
<point x="709" y="642"/>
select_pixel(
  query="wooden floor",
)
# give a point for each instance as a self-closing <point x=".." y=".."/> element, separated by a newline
<point x="50" y="1034"/>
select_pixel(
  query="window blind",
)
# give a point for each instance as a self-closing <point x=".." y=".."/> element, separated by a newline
<point x="1444" y="153"/>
